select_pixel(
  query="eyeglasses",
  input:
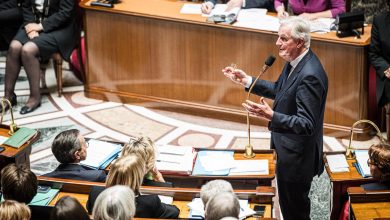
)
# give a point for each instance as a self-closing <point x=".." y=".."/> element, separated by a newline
<point x="369" y="162"/>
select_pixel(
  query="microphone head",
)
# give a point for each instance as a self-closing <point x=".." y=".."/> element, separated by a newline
<point x="270" y="60"/>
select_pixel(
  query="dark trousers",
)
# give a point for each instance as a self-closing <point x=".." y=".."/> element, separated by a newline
<point x="294" y="200"/>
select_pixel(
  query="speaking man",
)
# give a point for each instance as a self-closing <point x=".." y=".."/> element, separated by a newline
<point x="296" y="118"/>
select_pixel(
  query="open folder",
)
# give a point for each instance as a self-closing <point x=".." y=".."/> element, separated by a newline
<point x="100" y="153"/>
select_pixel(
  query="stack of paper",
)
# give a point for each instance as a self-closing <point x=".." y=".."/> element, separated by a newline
<point x="361" y="163"/>
<point x="175" y="159"/>
<point x="100" y="154"/>
<point x="197" y="209"/>
<point x="213" y="163"/>
<point x="249" y="167"/>
<point x="337" y="163"/>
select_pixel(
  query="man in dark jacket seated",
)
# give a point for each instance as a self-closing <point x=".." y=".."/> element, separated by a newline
<point x="69" y="147"/>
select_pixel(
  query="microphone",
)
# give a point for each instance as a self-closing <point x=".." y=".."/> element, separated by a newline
<point x="267" y="64"/>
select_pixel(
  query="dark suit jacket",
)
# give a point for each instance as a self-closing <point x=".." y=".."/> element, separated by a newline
<point x="61" y="22"/>
<point x="77" y="172"/>
<point x="297" y="124"/>
<point x="376" y="186"/>
<point x="10" y="21"/>
<point x="147" y="206"/>
<point x="379" y="54"/>
<point x="268" y="4"/>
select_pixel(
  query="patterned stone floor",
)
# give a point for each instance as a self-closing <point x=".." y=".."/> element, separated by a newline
<point x="98" y="119"/>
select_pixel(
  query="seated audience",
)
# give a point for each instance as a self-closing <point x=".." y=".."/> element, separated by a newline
<point x="116" y="202"/>
<point x="129" y="171"/>
<point x="68" y="208"/>
<point x="144" y="147"/>
<point x="10" y="20"/>
<point x="310" y="9"/>
<point x="214" y="187"/>
<point x="69" y="148"/>
<point x="379" y="163"/>
<point x="222" y="205"/>
<point x="13" y="210"/>
<point x="47" y="29"/>
<point x="18" y="183"/>
<point x="208" y="5"/>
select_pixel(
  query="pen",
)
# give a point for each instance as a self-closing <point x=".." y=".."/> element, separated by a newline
<point x="165" y="161"/>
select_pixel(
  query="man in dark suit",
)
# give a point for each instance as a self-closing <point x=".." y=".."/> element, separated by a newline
<point x="208" y="5"/>
<point x="296" y="119"/>
<point x="380" y="58"/>
<point x="69" y="147"/>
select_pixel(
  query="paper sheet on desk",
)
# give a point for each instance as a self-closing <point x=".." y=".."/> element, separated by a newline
<point x="217" y="162"/>
<point x="337" y="163"/>
<point x="261" y="22"/>
<point x="321" y="25"/>
<point x="220" y="9"/>
<point x="361" y="159"/>
<point x="191" y="9"/>
<point x="249" y="167"/>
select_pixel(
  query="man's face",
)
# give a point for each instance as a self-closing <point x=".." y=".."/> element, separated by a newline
<point x="289" y="48"/>
<point x="82" y="153"/>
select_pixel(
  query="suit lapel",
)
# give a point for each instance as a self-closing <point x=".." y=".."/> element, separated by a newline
<point x="293" y="77"/>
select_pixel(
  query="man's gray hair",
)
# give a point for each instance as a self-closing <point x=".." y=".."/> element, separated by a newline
<point x="300" y="28"/>
<point x="115" y="203"/>
<point x="222" y="205"/>
<point x="213" y="188"/>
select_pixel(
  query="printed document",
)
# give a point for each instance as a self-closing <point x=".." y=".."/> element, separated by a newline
<point x="337" y="163"/>
<point x="249" y="167"/>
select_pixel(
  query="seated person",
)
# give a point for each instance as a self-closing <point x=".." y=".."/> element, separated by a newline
<point x="13" y="210"/>
<point x="68" y="208"/>
<point x="116" y="202"/>
<point x="222" y="205"/>
<point x="130" y="171"/>
<point x="379" y="163"/>
<point x="214" y="187"/>
<point x="310" y="9"/>
<point x="69" y="148"/>
<point x="18" y="183"/>
<point x="144" y="147"/>
<point x="208" y="5"/>
<point x="10" y="21"/>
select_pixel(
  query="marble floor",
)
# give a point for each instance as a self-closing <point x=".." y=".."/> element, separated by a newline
<point x="99" y="119"/>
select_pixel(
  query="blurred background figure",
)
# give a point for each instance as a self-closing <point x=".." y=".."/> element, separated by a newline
<point x="13" y="210"/>
<point x="69" y="208"/>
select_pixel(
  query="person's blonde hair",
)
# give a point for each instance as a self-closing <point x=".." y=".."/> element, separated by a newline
<point x="127" y="170"/>
<point x="13" y="210"/>
<point x="144" y="147"/>
<point x="379" y="155"/>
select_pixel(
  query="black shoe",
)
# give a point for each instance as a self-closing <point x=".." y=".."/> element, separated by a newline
<point x="13" y="101"/>
<point x="25" y="109"/>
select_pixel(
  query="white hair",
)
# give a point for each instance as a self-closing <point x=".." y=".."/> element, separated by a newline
<point x="115" y="203"/>
<point x="300" y="28"/>
<point x="222" y="205"/>
<point x="213" y="188"/>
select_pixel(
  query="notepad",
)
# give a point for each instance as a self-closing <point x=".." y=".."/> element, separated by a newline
<point x="177" y="160"/>
<point x="43" y="199"/>
<point x="20" y="137"/>
<point x="337" y="163"/>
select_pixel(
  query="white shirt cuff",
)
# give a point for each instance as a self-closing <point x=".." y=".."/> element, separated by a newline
<point x="249" y="83"/>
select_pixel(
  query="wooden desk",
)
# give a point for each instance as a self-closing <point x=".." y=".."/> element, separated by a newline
<point x="182" y="196"/>
<point x="263" y="180"/>
<point x="147" y="53"/>
<point x="16" y="155"/>
<point x="340" y="183"/>
<point x="369" y="204"/>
